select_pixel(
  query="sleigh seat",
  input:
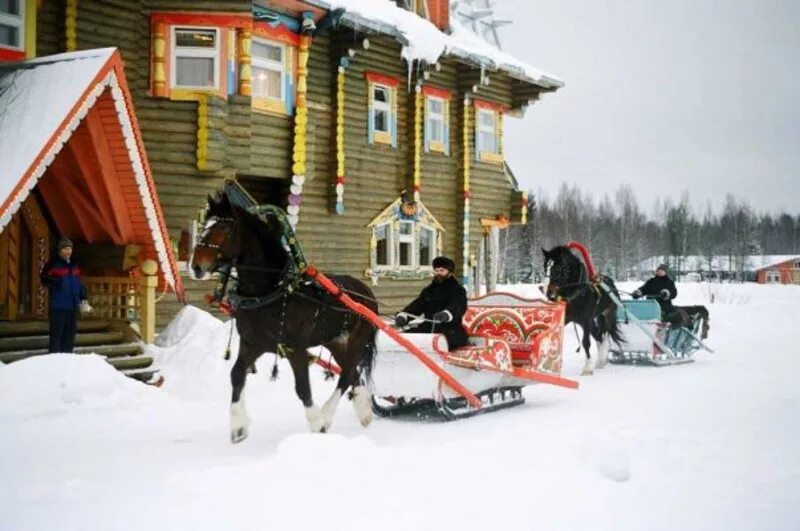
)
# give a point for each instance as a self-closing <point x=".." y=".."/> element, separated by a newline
<point x="531" y="328"/>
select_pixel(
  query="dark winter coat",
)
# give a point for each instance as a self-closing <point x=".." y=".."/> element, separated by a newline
<point x="655" y="285"/>
<point x="64" y="282"/>
<point x="436" y="297"/>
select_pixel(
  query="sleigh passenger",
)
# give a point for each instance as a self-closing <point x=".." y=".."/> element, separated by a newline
<point x="443" y="303"/>
<point x="662" y="288"/>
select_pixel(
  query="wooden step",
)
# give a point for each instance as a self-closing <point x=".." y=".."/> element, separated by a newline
<point x="10" y="344"/>
<point x="143" y="375"/>
<point x="109" y="351"/>
<point x="35" y="328"/>
<point x="131" y="362"/>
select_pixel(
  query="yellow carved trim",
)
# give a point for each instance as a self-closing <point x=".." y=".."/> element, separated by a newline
<point x="71" y="25"/>
<point x="436" y="146"/>
<point x="193" y="94"/>
<point x="494" y="158"/>
<point x="245" y="59"/>
<point x="30" y="29"/>
<point x="382" y="137"/>
<point x="202" y="132"/>
<point x="270" y="106"/>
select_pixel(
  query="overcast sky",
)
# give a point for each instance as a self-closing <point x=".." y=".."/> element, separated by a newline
<point x="670" y="95"/>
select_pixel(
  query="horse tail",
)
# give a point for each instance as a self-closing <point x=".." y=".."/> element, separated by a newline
<point x="367" y="361"/>
<point x="614" y="328"/>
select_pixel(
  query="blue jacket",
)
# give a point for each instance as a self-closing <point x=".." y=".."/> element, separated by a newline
<point x="64" y="280"/>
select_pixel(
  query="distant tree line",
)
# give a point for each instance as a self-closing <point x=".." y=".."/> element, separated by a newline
<point x="620" y="234"/>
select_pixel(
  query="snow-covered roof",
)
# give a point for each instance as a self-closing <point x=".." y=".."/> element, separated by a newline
<point x="42" y="102"/>
<point x="717" y="263"/>
<point x="422" y="40"/>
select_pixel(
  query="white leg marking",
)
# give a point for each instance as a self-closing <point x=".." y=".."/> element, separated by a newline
<point x="239" y="421"/>
<point x="602" y="351"/>
<point x="362" y="403"/>
<point x="315" y="419"/>
<point x="329" y="409"/>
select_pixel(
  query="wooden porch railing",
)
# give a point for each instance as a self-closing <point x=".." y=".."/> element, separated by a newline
<point x="126" y="299"/>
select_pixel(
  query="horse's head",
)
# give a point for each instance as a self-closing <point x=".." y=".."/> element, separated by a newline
<point x="218" y="243"/>
<point x="562" y="268"/>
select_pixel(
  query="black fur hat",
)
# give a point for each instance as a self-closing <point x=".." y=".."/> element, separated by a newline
<point x="443" y="261"/>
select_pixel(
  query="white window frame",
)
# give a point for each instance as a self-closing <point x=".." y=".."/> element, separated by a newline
<point x="16" y="21"/>
<point x="773" y="277"/>
<point x="381" y="106"/>
<point x="484" y="128"/>
<point x="389" y="246"/>
<point x="435" y="120"/>
<point x="275" y="66"/>
<point x="796" y="264"/>
<point x="410" y="239"/>
<point x="206" y="53"/>
<point x="434" y="242"/>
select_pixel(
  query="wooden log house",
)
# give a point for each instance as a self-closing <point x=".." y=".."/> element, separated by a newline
<point x="382" y="159"/>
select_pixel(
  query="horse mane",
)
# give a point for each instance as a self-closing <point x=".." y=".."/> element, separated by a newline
<point x="561" y="254"/>
<point x="220" y="206"/>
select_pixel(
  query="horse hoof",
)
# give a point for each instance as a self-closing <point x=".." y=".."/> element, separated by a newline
<point x="366" y="420"/>
<point x="239" y="435"/>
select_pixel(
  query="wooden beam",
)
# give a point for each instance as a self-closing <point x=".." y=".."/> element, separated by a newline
<point x="109" y="174"/>
<point x="81" y="148"/>
<point x="68" y="205"/>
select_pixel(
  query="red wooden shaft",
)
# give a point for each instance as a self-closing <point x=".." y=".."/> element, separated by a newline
<point x="334" y="290"/>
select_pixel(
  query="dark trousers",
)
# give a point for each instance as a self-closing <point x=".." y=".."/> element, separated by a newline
<point x="63" y="325"/>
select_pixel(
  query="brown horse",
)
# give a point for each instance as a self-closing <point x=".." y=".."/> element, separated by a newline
<point x="278" y="310"/>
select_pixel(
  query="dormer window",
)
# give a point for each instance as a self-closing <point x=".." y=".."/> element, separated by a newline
<point x="404" y="239"/>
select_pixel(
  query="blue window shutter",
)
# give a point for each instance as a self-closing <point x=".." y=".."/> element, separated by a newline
<point x="446" y="139"/>
<point x="288" y="87"/>
<point x="427" y="129"/>
<point x="393" y="116"/>
<point x="477" y="137"/>
<point x="446" y="135"/>
<point x="370" y="118"/>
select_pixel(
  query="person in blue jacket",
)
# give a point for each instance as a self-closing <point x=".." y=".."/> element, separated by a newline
<point x="67" y="296"/>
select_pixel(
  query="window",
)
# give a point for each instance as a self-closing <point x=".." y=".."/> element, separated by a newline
<point x="196" y="53"/>
<point x="437" y="117"/>
<point x="797" y="264"/>
<point x="486" y="131"/>
<point x="382" y="109"/>
<point x="268" y="70"/>
<point x="773" y="277"/>
<point x="383" y="257"/>
<point x="272" y="76"/>
<point x="427" y="245"/>
<point x="12" y="24"/>
<point x="488" y="127"/>
<point x="406" y="244"/>
<point x="405" y="238"/>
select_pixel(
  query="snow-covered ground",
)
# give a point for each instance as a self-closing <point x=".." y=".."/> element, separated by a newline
<point x="709" y="445"/>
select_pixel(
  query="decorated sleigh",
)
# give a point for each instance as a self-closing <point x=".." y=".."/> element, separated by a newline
<point x="649" y="340"/>
<point x="514" y="342"/>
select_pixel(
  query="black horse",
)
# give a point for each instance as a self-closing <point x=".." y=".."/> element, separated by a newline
<point x="278" y="310"/>
<point x="588" y="304"/>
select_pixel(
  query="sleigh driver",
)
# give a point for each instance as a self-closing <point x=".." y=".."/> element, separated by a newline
<point x="443" y="304"/>
<point x="662" y="288"/>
